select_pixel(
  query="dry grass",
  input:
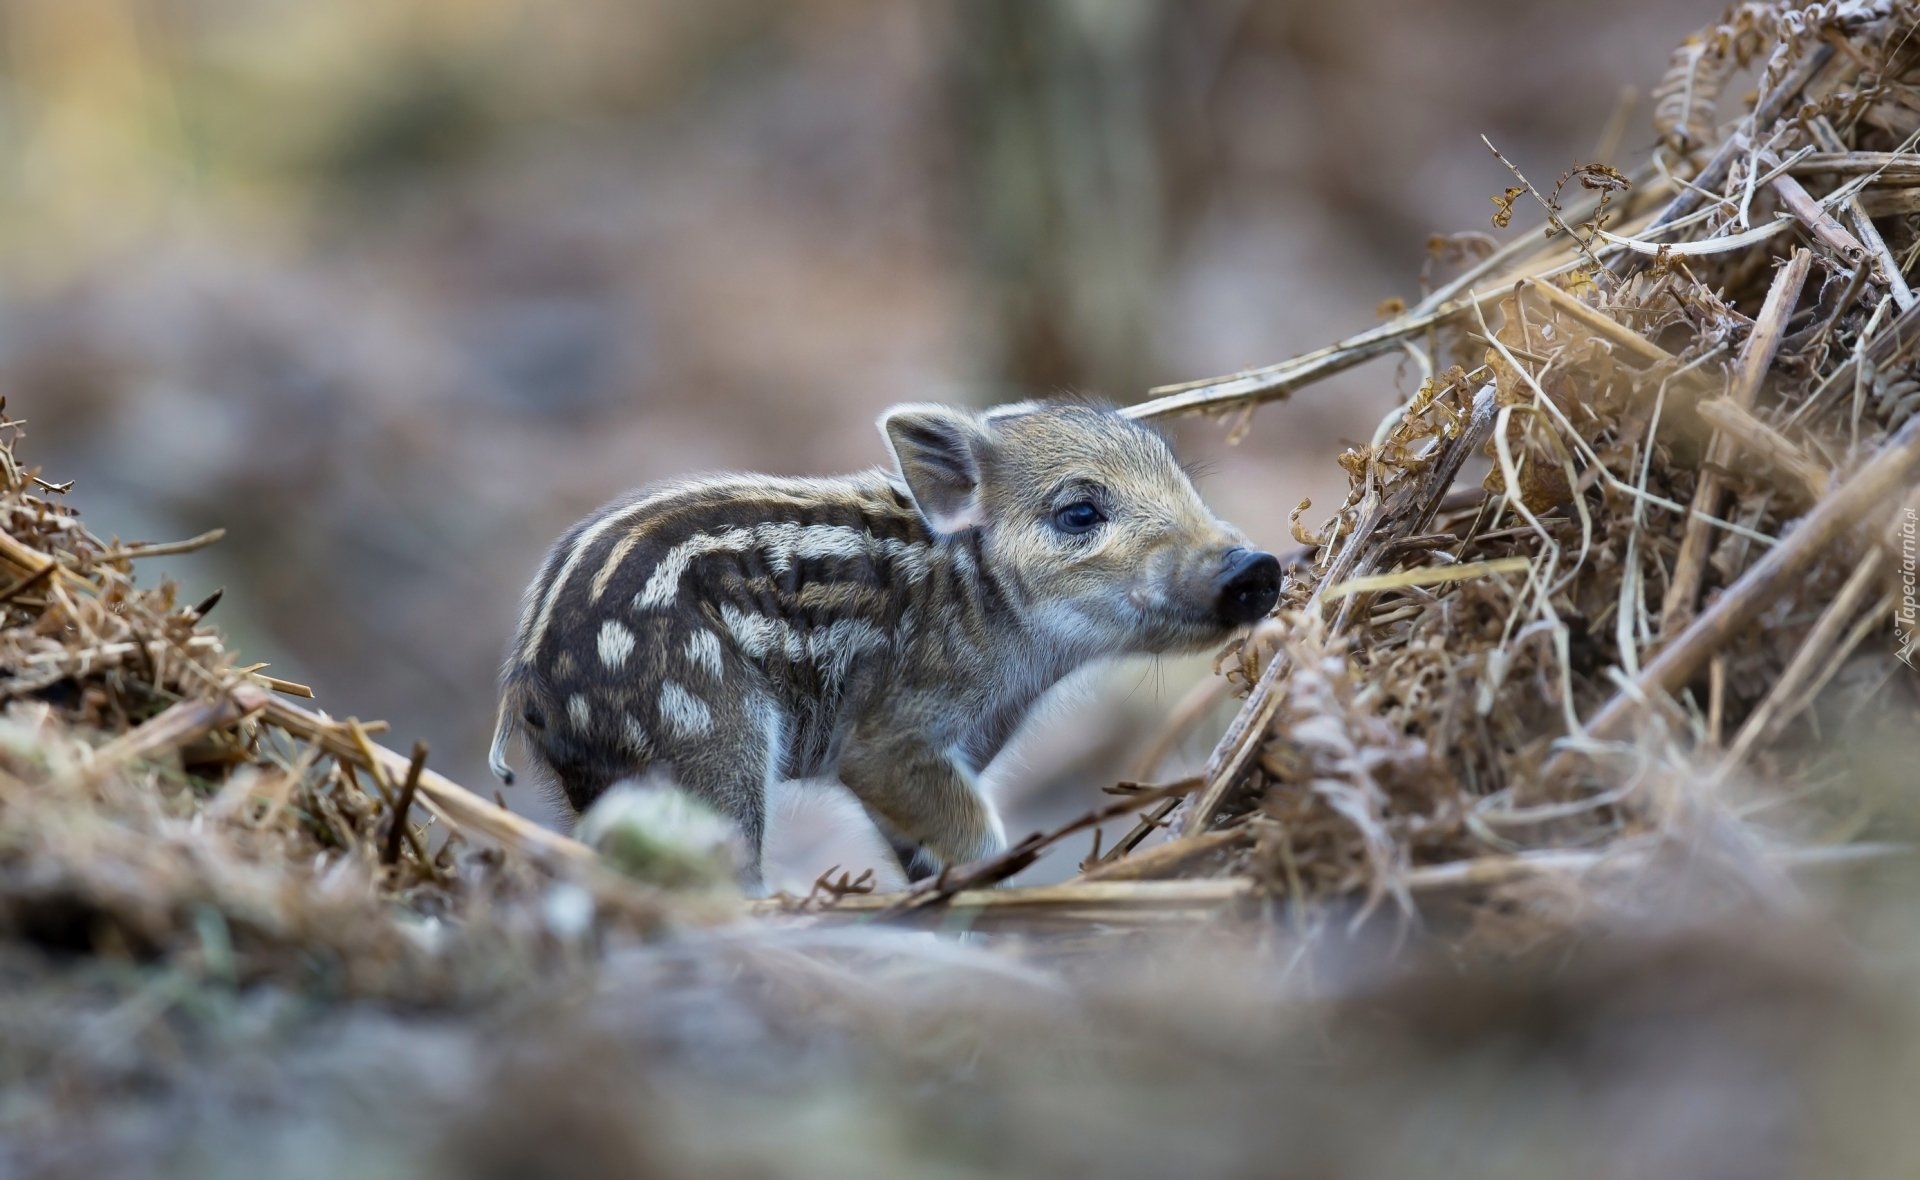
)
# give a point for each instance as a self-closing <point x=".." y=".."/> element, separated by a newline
<point x="162" y="803"/>
<point x="1623" y="574"/>
<point x="1606" y="638"/>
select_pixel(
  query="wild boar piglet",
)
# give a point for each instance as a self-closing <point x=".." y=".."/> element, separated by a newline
<point x="890" y="628"/>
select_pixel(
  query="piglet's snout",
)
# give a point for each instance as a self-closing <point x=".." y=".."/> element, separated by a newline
<point x="1247" y="587"/>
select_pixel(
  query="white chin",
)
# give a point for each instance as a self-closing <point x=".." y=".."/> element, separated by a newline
<point x="1187" y="636"/>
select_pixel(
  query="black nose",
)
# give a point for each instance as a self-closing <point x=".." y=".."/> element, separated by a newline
<point x="1249" y="586"/>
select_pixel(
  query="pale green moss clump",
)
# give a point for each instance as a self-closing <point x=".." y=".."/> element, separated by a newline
<point x="659" y="834"/>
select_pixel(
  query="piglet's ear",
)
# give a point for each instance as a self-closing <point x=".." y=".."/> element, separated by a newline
<point x="939" y="451"/>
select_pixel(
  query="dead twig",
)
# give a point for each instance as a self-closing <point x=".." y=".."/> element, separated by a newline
<point x="1165" y="859"/>
<point x="1117" y="902"/>
<point x="1756" y="357"/>
<point x="998" y="868"/>
<point x="1277" y="381"/>
<point x="1599" y="323"/>
<point x="1818" y="221"/>
<point x="397" y="823"/>
<point x="161" y="548"/>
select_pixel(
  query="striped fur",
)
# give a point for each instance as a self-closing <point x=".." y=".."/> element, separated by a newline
<point x="891" y="628"/>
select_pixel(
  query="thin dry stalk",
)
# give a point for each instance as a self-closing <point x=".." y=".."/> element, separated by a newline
<point x="403" y="807"/>
<point x="1756" y="357"/>
<point x="162" y="548"/>
<point x="1106" y="902"/>
<point x="1167" y="859"/>
<point x="956" y="879"/>
<point x="1599" y="324"/>
<point x="1819" y="222"/>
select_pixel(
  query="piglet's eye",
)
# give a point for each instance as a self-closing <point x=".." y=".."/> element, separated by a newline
<point x="1078" y="517"/>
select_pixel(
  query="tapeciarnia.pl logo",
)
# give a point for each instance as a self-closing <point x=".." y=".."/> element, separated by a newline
<point x="1906" y="620"/>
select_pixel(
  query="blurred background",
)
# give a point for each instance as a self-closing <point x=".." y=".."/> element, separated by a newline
<point x="396" y="290"/>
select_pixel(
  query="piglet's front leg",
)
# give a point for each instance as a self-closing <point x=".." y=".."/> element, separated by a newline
<point x="927" y="805"/>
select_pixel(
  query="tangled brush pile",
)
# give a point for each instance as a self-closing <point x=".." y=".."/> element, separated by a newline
<point x="1674" y="603"/>
<point x="1632" y="571"/>
<point x="159" y="802"/>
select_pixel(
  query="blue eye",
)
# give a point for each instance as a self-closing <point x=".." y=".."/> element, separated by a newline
<point x="1080" y="517"/>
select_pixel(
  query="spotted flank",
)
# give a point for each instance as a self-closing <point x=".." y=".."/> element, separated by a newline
<point x="616" y="644"/>
<point x="683" y="714"/>
<point x="703" y="652"/>
<point x="833" y="647"/>
<point x="665" y="610"/>
<point x="781" y="548"/>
